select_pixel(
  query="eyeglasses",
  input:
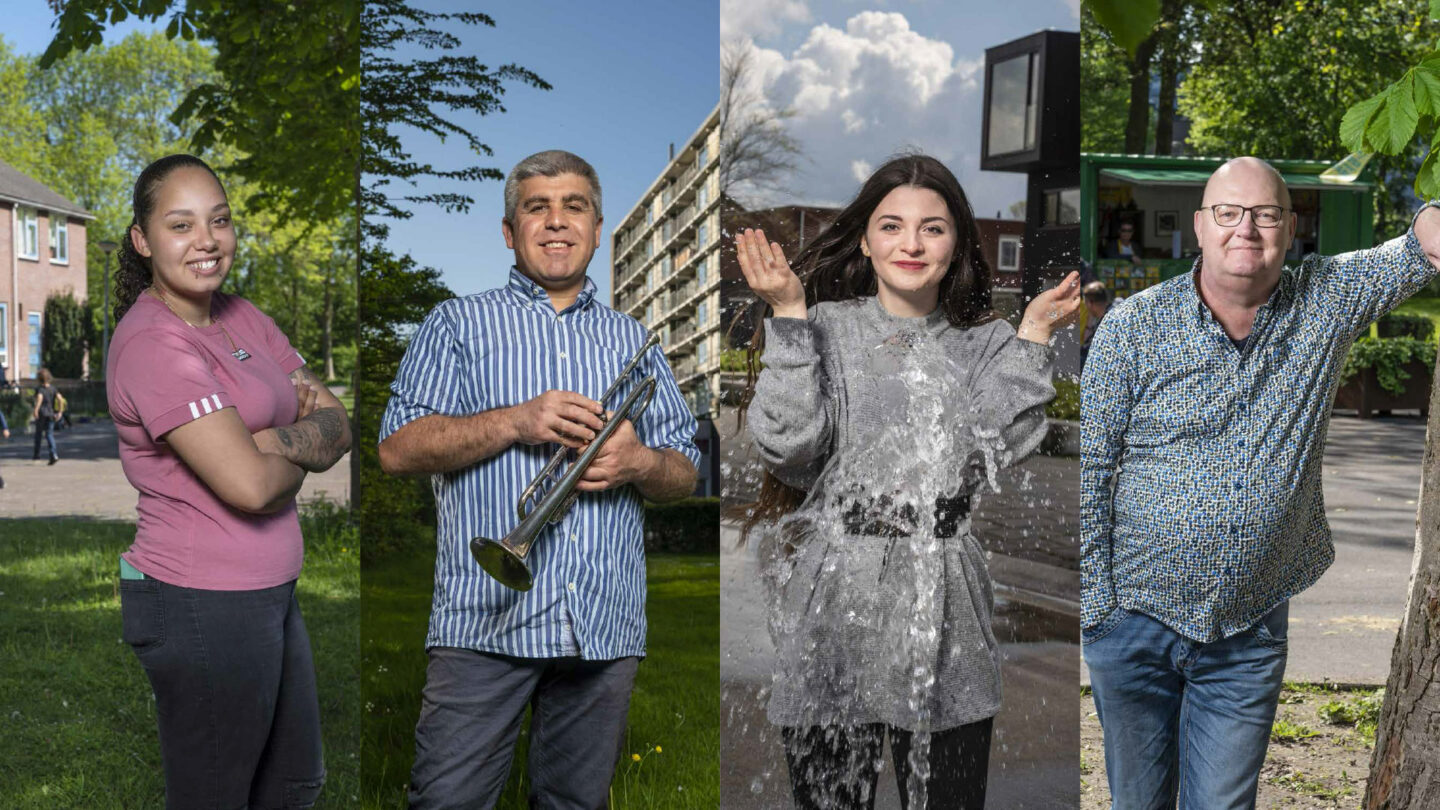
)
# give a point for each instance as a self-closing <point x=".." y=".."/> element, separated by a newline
<point x="1230" y="216"/>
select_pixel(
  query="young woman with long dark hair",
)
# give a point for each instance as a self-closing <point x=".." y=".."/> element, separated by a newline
<point x="889" y="392"/>
<point x="219" y="420"/>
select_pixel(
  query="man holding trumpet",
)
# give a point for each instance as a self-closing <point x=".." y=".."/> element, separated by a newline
<point x="489" y="385"/>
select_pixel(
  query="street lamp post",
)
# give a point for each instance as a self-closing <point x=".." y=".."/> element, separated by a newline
<point x="109" y="247"/>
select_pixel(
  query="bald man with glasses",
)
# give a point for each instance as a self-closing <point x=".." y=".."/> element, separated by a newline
<point x="1204" y="410"/>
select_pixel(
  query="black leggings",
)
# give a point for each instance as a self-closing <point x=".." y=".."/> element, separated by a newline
<point x="234" y="693"/>
<point x="836" y="767"/>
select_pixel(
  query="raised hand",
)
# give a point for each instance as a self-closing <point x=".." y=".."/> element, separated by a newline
<point x="1052" y="310"/>
<point x="564" y="417"/>
<point x="769" y="274"/>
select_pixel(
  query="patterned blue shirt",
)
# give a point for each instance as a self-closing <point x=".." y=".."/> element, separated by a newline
<point x="1200" y="494"/>
<point x="501" y="348"/>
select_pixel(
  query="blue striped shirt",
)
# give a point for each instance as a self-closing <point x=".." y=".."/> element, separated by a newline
<point x="1200" y="495"/>
<point x="497" y="349"/>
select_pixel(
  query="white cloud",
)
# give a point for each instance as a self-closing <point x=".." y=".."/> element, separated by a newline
<point x="875" y="88"/>
<point x="759" y="18"/>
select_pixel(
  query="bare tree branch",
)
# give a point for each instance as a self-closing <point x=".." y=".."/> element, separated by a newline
<point x="756" y="150"/>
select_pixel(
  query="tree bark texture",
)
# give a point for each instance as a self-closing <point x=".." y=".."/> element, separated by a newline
<point x="1137" y="125"/>
<point x="1405" y="766"/>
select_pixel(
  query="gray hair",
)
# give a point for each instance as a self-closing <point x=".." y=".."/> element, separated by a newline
<point x="550" y="163"/>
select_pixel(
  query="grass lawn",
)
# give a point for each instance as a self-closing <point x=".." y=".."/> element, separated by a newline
<point x="675" y="705"/>
<point x="77" y="712"/>
<point x="1423" y="305"/>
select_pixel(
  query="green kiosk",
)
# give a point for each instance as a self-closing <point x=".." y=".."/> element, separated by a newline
<point x="1158" y="195"/>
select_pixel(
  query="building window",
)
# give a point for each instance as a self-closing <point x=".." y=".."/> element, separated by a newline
<point x="700" y="314"/>
<point x="703" y="196"/>
<point x="702" y="351"/>
<point x="1009" y="254"/>
<point x="4" y="335"/>
<point x="1062" y="206"/>
<point x="649" y="215"/>
<point x="704" y="156"/>
<point x="1013" y="97"/>
<point x="704" y="236"/>
<point x="59" y="239"/>
<point x="34" y="337"/>
<point x="700" y="270"/>
<point x="29" y="243"/>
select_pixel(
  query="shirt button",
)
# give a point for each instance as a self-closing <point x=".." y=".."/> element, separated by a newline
<point x="571" y="587"/>
<point x="574" y="537"/>
<point x="564" y="356"/>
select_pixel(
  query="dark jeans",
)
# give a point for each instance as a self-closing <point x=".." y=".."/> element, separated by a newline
<point x="234" y="693"/>
<point x="836" y="767"/>
<point x="470" y="717"/>
<point x="45" y="427"/>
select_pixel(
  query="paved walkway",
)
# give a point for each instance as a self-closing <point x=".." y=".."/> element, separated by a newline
<point x="88" y="481"/>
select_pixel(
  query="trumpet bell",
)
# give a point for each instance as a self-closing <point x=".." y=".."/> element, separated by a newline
<point x="507" y="567"/>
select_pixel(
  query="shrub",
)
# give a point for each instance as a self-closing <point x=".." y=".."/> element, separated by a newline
<point x="1388" y="356"/>
<point x="689" y="525"/>
<point x="1397" y="324"/>
<point x="1066" y="404"/>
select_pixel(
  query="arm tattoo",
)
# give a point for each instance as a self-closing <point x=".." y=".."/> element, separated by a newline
<point x="319" y="440"/>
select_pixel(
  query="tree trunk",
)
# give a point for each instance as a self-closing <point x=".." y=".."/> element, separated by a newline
<point x="327" y="338"/>
<point x="1137" y="126"/>
<point x="1405" y="767"/>
<point x="1169" y="74"/>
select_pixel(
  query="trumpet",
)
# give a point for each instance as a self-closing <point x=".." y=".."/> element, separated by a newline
<point x="505" y="559"/>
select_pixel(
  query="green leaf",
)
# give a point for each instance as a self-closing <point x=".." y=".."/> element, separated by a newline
<point x="173" y="28"/>
<point x="1427" y="88"/>
<point x="1435" y="9"/>
<point x="1423" y="178"/>
<point x="1401" y="112"/>
<point x="1353" y="126"/>
<point x="1128" y="21"/>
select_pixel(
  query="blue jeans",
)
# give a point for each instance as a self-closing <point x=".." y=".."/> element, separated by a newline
<point x="234" y="693"/>
<point x="1186" y="724"/>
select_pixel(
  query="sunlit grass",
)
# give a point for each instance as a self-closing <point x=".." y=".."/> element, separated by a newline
<point x="77" y="710"/>
<point x="674" y="716"/>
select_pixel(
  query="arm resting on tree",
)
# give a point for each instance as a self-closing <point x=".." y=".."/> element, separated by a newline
<point x="219" y="449"/>
<point x="317" y="441"/>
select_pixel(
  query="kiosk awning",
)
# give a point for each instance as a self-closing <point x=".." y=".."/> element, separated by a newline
<point x="1197" y="177"/>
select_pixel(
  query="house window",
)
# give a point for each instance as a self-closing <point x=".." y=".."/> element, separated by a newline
<point x="1009" y="254"/>
<point x="4" y="335"/>
<point x="59" y="239"/>
<point x="34" y="337"/>
<point x="29" y="243"/>
<point x="1013" y="103"/>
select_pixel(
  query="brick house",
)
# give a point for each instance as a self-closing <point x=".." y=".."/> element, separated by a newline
<point x="42" y="253"/>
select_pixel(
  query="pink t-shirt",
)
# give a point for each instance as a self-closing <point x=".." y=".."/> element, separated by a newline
<point x="163" y="373"/>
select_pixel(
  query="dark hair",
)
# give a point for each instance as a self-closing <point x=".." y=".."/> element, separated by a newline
<point x="133" y="274"/>
<point x="45" y="377"/>
<point x="832" y="268"/>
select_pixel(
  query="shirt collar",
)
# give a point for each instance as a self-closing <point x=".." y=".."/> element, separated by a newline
<point x="527" y="290"/>
<point x="1282" y="293"/>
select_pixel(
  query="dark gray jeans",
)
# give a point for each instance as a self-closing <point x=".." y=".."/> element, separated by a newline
<point x="234" y="692"/>
<point x="470" y="718"/>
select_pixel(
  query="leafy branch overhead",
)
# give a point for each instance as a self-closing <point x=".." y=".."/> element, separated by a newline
<point x="289" y="100"/>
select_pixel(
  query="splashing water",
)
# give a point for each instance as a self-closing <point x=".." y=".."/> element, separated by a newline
<point x="930" y="448"/>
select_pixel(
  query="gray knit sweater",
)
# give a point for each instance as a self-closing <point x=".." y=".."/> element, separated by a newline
<point x="856" y="405"/>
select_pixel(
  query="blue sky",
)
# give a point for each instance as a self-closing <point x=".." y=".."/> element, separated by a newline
<point x="629" y="79"/>
<point x="869" y="79"/>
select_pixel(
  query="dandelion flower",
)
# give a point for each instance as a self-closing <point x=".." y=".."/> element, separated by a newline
<point x="657" y="749"/>
<point x="635" y="757"/>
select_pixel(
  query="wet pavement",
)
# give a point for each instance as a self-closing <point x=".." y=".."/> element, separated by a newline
<point x="1030" y="529"/>
<point x="88" y="481"/>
